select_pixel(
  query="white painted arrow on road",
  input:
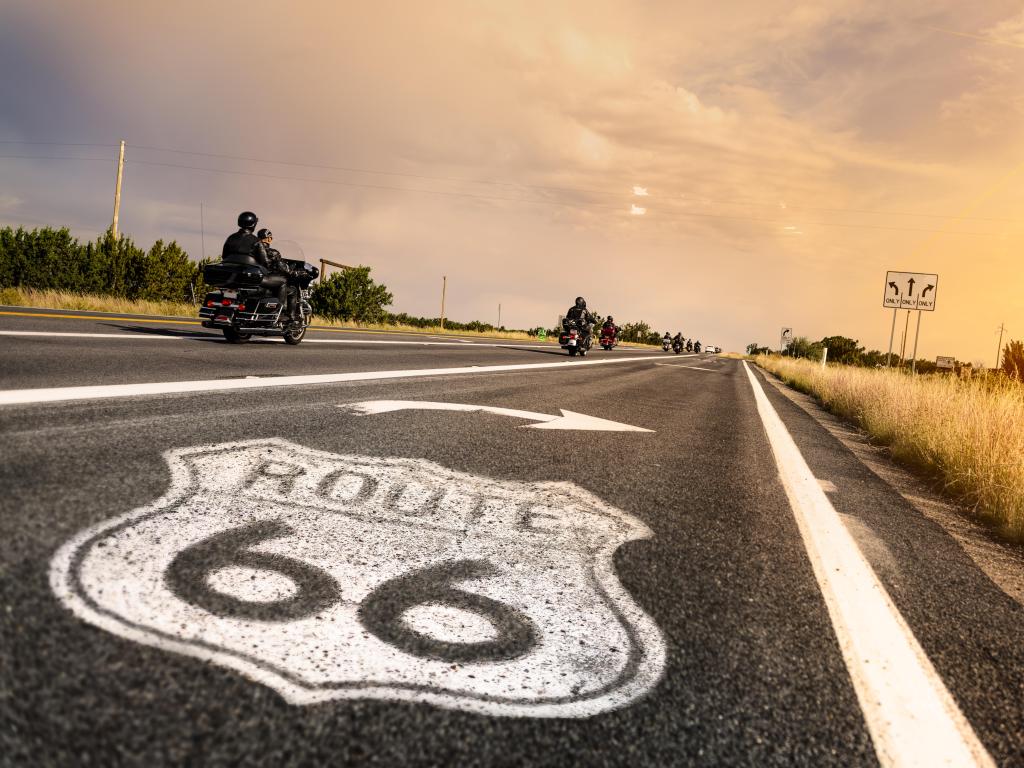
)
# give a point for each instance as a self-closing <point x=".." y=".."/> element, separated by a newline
<point x="568" y="419"/>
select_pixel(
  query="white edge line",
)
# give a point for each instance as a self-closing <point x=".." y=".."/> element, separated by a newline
<point x="911" y="715"/>
<point x="105" y="391"/>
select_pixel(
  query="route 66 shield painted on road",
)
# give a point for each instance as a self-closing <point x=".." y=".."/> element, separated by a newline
<point x="330" y="576"/>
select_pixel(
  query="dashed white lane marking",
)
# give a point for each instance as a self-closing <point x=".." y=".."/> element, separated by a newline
<point x="105" y="391"/>
<point x="912" y="717"/>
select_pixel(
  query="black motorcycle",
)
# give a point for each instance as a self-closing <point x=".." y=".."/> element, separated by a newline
<point x="243" y="307"/>
<point x="574" y="338"/>
<point x="677" y="346"/>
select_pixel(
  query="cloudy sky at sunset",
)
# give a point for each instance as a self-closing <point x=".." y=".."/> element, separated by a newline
<point x="720" y="168"/>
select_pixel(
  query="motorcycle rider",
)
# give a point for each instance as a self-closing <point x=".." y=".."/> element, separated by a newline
<point x="610" y="328"/>
<point x="689" y="345"/>
<point x="583" y="317"/>
<point x="280" y="274"/>
<point x="238" y="248"/>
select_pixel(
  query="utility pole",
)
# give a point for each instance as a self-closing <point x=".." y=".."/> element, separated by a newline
<point x="999" y="349"/>
<point x="444" y="290"/>
<point x="499" y="315"/>
<point x="202" y="231"/>
<point x="117" y="189"/>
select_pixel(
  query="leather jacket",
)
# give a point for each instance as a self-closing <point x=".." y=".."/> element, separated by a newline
<point x="271" y="258"/>
<point x="238" y="248"/>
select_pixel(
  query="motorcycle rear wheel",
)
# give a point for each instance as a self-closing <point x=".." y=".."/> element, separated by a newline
<point x="295" y="336"/>
<point x="236" y="337"/>
<point x="572" y="351"/>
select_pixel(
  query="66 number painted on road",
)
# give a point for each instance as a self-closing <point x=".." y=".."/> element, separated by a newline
<point x="335" y="577"/>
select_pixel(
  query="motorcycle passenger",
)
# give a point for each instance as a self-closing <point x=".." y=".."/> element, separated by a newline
<point x="278" y="279"/>
<point x="583" y="317"/>
<point x="238" y="248"/>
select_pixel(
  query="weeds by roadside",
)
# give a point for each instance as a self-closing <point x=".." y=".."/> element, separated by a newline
<point x="966" y="433"/>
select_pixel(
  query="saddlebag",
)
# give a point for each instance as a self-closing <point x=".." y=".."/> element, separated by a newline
<point x="228" y="275"/>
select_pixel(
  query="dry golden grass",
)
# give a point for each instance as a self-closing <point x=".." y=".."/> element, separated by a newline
<point x="28" y="297"/>
<point x="966" y="433"/>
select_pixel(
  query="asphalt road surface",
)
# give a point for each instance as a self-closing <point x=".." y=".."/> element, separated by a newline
<point x="388" y="549"/>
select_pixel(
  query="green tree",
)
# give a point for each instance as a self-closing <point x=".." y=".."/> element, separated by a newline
<point x="801" y="346"/>
<point x="166" y="274"/>
<point x="1013" y="360"/>
<point x="351" y="295"/>
<point x="843" y="350"/>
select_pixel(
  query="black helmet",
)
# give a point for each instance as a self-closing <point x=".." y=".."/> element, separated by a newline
<point x="264" y="233"/>
<point x="611" y="319"/>
<point x="247" y="220"/>
<point x="581" y="303"/>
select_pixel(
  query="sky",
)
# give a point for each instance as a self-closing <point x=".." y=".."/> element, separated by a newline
<point x="723" y="169"/>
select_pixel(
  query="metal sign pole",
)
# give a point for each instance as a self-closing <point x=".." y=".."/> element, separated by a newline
<point x="892" y="335"/>
<point x="917" y="335"/>
<point x="903" y="343"/>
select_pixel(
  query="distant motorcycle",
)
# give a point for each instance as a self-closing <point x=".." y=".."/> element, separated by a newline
<point x="689" y="345"/>
<point x="696" y="347"/>
<point x="609" y="338"/>
<point x="666" y="344"/>
<point x="241" y="307"/>
<point x="575" y="339"/>
<point x="677" y="346"/>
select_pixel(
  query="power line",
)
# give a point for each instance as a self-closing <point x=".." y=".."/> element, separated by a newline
<point x="55" y="143"/>
<point x="470" y="195"/>
<point x="518" y="185"/>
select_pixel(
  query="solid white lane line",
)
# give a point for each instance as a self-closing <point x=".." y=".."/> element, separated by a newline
<point x="104" y="391"/>
<point x="912" y="717"/>
<point x="214" y="337"/>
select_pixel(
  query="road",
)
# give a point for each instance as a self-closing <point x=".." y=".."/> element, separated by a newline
<point x="269" y="555"/>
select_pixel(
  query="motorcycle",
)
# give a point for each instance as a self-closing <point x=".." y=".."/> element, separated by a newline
<point x="689" y="345"/>
<point x="575" y="339"/>
<point x="241" y="307"/>
<point x="677" y="346"/>
<point x="696" y="347"/>
<point x="609" y="338"/>
<point x="666" y="344"/>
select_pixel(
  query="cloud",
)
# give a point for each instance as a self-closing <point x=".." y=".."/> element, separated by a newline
<point x="502" y="141"/>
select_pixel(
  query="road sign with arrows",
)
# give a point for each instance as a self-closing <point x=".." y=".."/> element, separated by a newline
<point x="910" y="290"/>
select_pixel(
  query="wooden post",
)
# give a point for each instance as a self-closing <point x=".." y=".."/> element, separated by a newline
<point x="117" y="189"/>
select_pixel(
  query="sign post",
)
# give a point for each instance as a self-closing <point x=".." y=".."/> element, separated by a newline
<point x="785" y="338"/>
<point x="909" y="291"/>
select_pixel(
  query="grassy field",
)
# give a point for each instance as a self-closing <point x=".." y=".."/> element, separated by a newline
<point x="27" y="297"/>
<point x="968" y="434"/>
